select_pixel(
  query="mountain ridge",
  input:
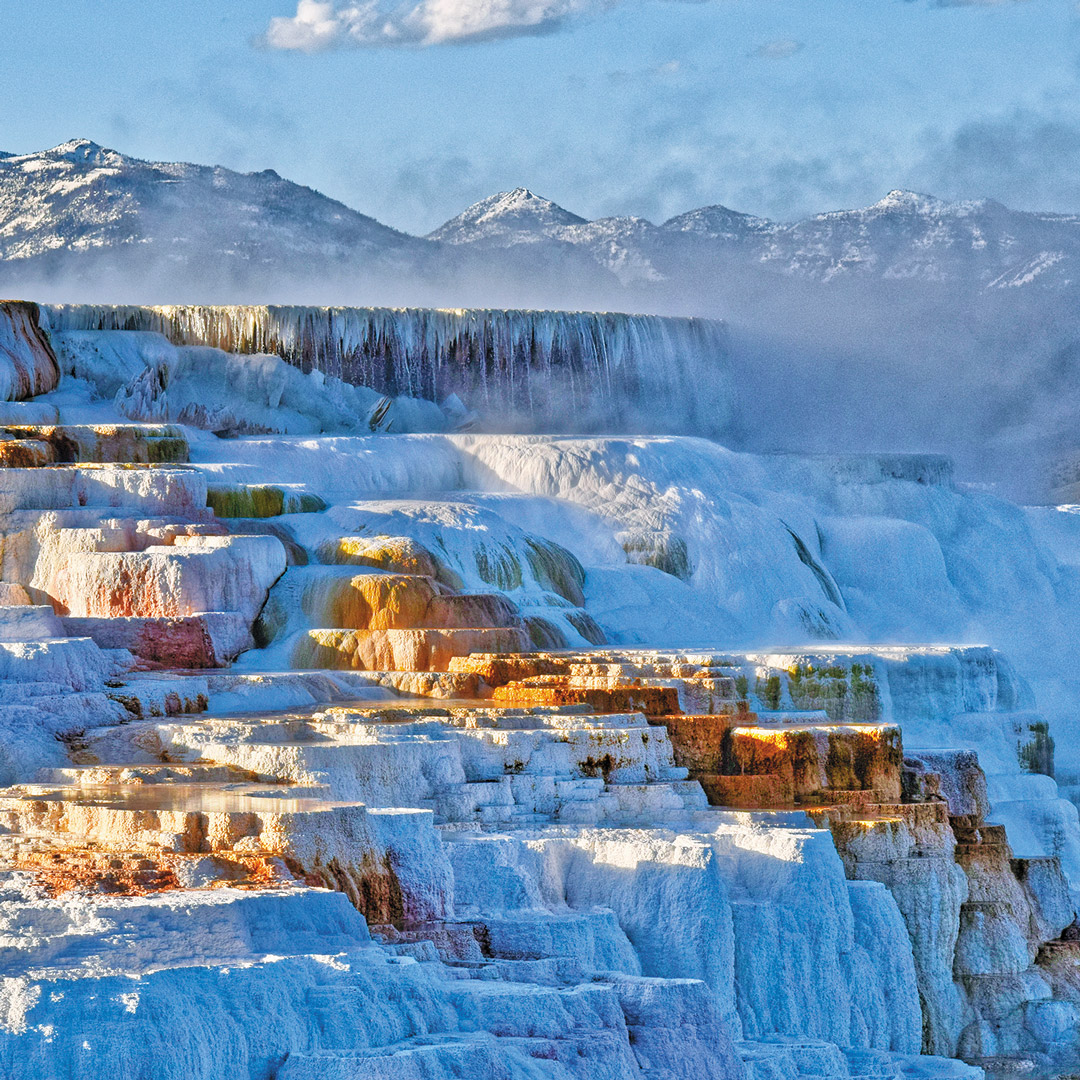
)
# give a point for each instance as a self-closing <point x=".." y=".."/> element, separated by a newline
<point x="79" y="206"/>
<point x="81" y="195"/>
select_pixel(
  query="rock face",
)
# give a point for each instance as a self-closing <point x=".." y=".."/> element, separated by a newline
<point x="127" y="443"/>
<point x="231" y="573"/>
<point x="314" y="749"/>
<point x="400" y="650"/>
<point x="209" y="640"/>
<point x="27" y="362"/>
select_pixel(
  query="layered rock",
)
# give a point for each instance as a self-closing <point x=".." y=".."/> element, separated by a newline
<point x="232" y="573"/>
<point x="27" y="445"/>
<point x="28" y="364"/>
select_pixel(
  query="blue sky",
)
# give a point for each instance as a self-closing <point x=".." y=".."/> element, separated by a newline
<point x="651" y="107"/>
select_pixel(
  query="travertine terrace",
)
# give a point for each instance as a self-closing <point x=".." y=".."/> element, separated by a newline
<point x="333" y="754"/>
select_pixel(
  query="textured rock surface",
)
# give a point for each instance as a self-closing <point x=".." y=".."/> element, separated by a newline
<point x="28" y="364"/>
<point x="554" y="365"/>
<point x="571" y="859"/>
<point x="234" y="574"/>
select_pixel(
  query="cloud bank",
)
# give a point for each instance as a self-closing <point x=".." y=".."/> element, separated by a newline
<point x="1026" y="160"/>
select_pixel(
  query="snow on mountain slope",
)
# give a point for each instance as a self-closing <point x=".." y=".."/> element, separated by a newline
<point x="907" y="235"/>
<point x="619" y="244"/>
<point x="80" y="203"/>
<point x="904" y="236"/>
<point x="720" y="223"/>
<point x="509" y="217"/>
<point x="80" y="197"/>
<point x="512" y="218"/>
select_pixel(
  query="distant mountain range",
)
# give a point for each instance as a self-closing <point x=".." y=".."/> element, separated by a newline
<point x="79" y="211"/>
<point x="904" y="236"/>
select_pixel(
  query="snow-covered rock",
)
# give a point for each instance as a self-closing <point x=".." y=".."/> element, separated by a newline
<point x="150" y="379"/>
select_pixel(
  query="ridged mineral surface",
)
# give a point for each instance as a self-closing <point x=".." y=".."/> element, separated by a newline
<point x="340" y="743"/>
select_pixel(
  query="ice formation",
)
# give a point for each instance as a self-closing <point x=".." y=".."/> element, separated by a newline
<point x="549" y="370"/>
<point x="349" y="752"/>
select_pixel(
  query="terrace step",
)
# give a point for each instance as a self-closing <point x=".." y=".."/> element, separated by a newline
<point x="345" y="846"/>
<point x="144" y="444"/>
<point x="553" y="690"/>
<point x="26" y="453"/>
<point x="207" y="640"/>
<point x="342" y="599"/>
<point x="29" y="622"/>
<point x="144" y="490"/>
<point x="398" y="649"/>
<point x="101" y="776"/>
<point x="261" y="500"/>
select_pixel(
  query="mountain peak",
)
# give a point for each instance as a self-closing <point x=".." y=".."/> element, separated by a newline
<point x="75" y="144"/>
<point x="899" y="198"/>
<point x="521" y="198"/>
<point x="519" y="194"/>
<point x="717" y="223"/>
<point x="81" y="150"/>
<point x="505" y="214"/>
<point x="916" y="203"/>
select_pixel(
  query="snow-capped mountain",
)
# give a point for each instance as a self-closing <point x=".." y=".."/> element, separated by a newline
<point x="80" y="204"/>
<point x="912" y="236"/>
<point x="904" y="236"/>
<point x="68" y="213"/>
<point x="510" y="217"/>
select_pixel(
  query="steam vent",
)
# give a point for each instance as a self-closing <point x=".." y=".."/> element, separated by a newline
<point x="342" y="740"/>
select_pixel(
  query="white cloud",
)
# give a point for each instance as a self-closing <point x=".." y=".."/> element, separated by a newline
<point x="319" y="25"/>
<point x="315" y="26"/>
